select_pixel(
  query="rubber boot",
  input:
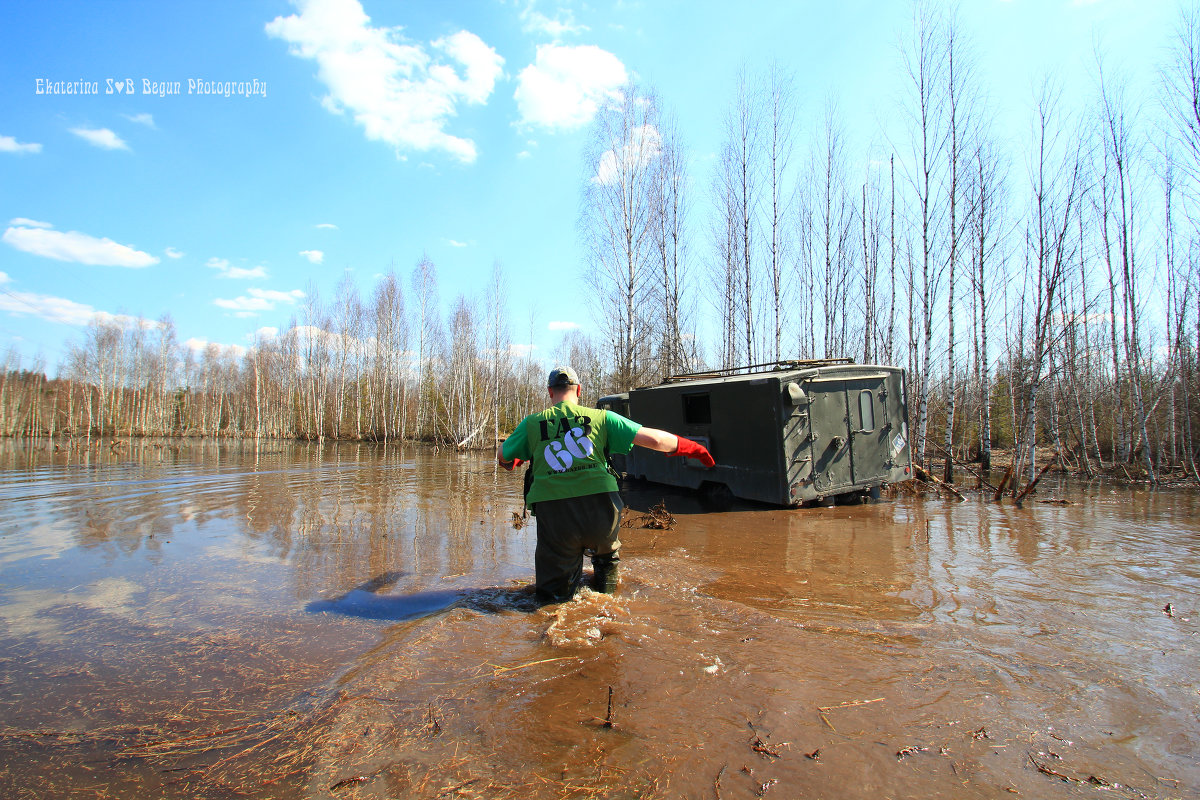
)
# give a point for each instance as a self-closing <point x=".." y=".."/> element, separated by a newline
<point x="606" y="572"/>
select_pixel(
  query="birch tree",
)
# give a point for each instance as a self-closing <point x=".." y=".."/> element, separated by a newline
<point x="780" y="116"/>
<point x="924" y="65"/>
<point x="1119" y="186"/>
<point x="669" y="209"/>
<point x="958" y="124"/>
<point x="1055" y="184"/>
<point x="617" y="223"/>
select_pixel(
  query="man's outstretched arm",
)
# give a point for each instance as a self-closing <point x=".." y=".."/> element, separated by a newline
<point x="672" y="445"/>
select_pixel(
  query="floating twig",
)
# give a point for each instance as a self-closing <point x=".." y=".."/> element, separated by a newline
<point x="657" y="518"/>
<point x="920" y="472"/>
<point x="759" y="746"/>
<point x="1045" y="770"/>
<point x="763" y="787"/>
<point x="342" y="784"/>
<point x="912" y="750"/>
<point x="851" y="704"/>
<point x="462" y="785"/>
<point x="499" y="670"/>
<point x="1091" y="779"/>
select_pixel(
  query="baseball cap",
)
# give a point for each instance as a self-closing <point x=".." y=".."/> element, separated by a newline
<point x="562" y="376"/>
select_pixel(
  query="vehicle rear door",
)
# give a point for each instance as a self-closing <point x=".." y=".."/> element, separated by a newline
<point x="829" y="423"/>
<point x="868" y="435"/>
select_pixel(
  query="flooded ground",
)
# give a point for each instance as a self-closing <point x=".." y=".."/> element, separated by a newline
<point x="225" y="620"/>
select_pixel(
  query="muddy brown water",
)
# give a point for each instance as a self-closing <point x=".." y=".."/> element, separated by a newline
<point x="225" y="620"/>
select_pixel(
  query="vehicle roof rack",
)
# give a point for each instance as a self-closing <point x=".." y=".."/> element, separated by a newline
<point x="769" y="366"/>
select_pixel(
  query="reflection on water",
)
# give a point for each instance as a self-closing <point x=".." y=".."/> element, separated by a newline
<point x="226" y="619"/>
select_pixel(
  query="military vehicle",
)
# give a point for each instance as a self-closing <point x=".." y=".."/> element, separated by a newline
<point x="791" y="433"/>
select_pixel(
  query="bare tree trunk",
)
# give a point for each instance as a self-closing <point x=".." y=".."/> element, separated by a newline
<point x="779" y="150"/>
<point x="618" y="224"/>
<point x="1119" y="154"/>
<point x="983" y="221"/>
<point x="1055" y="196"/>
<point x="923" y="64"/>
<point x="891" y="331"/>
<point x="956" y="100"/>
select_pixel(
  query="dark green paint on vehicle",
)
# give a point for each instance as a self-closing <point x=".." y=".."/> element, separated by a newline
<point x="798" y="433"/>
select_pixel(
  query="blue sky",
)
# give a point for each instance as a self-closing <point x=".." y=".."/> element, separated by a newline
<point x="226" y="211"/>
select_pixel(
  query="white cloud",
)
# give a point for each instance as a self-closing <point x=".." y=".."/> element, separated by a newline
<point x="173" y="253"/>
<point x="522" y="350"/>
<point x="314" y="256"/>
<point x="533" y="21"/>
<point x="456" y="243"/>
<point x="276" y="296"/>
<point x="142" y="119"/>
<point x="24" y="222"/>
<point x="10" y="145"/>
<point x="558" y="325"/>
<point x="257" y="300"/>
<point x="198" y="346"/>
<point x="304" y="334"/>
<point x="644" y="145"/>
<point x="101" y="137"/>
<point x="328" y="226"/>
<point x="4" y="278"/>
<point x="242" y="273"/>
<point x="75" y="246"/>
<point x="565" y="86"/>
<point x="227" y="270"/>
<point x="60" y="309"/>
<point x="400" y="92"/>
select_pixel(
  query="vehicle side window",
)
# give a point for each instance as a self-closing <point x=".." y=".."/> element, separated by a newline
<point x="696" y="409"/>
<point x="866" y="410"/>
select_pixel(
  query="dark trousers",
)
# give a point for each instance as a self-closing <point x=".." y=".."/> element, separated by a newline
<point x="565" y="529"/>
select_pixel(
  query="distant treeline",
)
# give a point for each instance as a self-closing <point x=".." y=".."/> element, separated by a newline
<point x="1039" y="292"/>
<point x="348" y="370"/>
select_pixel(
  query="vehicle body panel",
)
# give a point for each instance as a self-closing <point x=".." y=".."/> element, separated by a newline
<point x="800" y="433"/>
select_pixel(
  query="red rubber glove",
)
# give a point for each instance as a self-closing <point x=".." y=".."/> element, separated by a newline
<point x="690" y="449"/>
<point x="510" y="465"/>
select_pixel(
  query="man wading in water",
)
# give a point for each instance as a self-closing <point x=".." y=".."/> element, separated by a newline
<point x="577" y="504"/>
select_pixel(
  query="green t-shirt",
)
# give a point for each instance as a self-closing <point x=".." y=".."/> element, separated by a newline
<point x="565" y="445"/>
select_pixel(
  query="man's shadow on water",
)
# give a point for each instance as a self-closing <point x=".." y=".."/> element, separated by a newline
<point x="371" y="600"/>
